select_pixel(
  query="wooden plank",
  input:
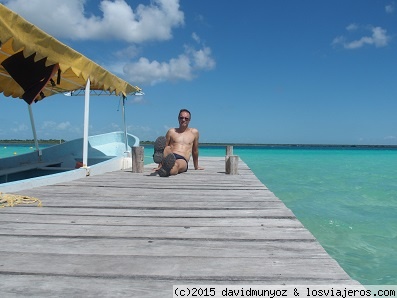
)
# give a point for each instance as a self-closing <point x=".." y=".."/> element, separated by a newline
<point x="65" y="286"/>
<point x="157" y="212"/>
<point x="148" y="221"/>
<point x="159" y="247"/>
<point x="128" y="266"/>
<point x="133" y="234"/>
<point x="159" y="232"/>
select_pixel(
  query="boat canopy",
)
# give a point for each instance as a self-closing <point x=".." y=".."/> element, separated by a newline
<point x="34" y="65"/>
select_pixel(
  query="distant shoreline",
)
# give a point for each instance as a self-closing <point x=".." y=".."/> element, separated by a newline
<point x="303" y="146"/>
<point x="278" y="146"/>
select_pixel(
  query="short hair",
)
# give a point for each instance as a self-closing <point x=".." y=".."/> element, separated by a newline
<point x="185" y="110"/>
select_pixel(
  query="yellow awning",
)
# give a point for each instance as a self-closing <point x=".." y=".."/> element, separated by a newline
<point x="31" y="59"/>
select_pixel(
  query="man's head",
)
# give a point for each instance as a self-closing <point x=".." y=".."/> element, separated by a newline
<point x="184" y="117"/>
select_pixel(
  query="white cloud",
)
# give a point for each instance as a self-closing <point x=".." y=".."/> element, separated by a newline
<point x="115" y="126"/>
<point x="56" y="126"/>
<point x="182" y="68"/>
<point x="120" y="21"/>
<point x="19" y="127"/>
<point x="145" y="71"/>
<point x="68" y="19"/>
<point x="378" y="38"/>
<point x="196" y="37"/>
<point x="202" y="58"/>
<point x="352" y="27"/>
<point x="63" y="125"/>
<point x="48" y="124"/>
<point x="129" y="52"/>
<point x="390" y="8"/>
<point x="137" y="99"/>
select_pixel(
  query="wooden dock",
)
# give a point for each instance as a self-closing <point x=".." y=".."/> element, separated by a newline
<point x="130" y="234"/>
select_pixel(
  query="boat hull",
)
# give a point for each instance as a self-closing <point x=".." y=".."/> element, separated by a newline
<point x="61" y="163"/>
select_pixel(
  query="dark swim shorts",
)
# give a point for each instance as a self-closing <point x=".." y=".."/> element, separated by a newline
<point x="177" y="156"/>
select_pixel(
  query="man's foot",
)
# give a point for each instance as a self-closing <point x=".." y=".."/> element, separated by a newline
<point x="162" y="173"/>
<point x="159" y="146"/>
<point x="167" y="164"/>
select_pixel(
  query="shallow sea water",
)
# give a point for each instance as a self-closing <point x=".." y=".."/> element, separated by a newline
<point x="13" y="149"/>
<point x="346" y="198"/>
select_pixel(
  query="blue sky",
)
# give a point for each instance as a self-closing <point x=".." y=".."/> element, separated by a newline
<point x="255" y="71"/>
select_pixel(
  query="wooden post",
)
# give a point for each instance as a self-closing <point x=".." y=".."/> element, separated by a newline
<point x="232" y="165"/>
<point x="137" y="159"/>
<point x="229" y="150"/>
<point x="231" y="161"/>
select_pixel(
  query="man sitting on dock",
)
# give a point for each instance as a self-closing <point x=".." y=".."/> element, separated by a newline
<point x="173" y="151"/>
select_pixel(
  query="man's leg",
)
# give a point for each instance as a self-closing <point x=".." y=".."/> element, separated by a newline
<point x="167" y="164"/>
<point x="159" y="146"/>
<point x="180" y="164"/>
<point x="179" y="167"/>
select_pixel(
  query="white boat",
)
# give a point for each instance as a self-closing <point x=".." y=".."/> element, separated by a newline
<point x="34" y="66"/>
<point x="64" y="162"/>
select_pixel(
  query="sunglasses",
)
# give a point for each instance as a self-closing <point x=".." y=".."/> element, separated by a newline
<point x="184" y="118"/>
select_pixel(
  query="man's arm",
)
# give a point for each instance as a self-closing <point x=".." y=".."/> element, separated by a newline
<point x="195" y="150"/>
<point x="168" y="138"/>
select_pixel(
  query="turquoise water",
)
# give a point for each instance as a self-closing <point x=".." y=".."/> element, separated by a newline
<point x="10" y="150"/>
<point x="347" y="198"/>
<point x="7" y="149"/>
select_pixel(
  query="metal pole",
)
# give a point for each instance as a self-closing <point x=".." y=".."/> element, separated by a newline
<point x="36" y="143"/>
<point x="86" y="122"/>
<point x="125" y="126"/>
